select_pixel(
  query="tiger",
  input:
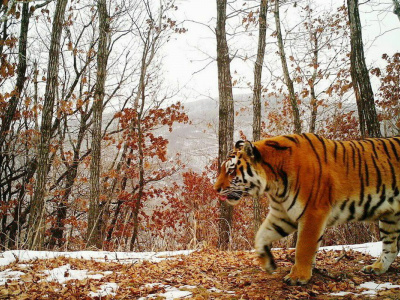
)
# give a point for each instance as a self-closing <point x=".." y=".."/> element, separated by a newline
<point x="313" y="183"/>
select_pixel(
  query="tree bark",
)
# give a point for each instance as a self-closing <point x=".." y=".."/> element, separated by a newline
<point x="288" y="80"/>
<point x="396" y="8"/>
<point x="35" y="238"/>
<point x="313" y="102"/>
<point x="226" y="115"/>
<point x="262" y="33"/>
<point x="57" y="232"/>
<point x="94" y="237"/>
<point x="369" y="123"/>
<point x="21" y="70"/>
<point x="7" y="118"/>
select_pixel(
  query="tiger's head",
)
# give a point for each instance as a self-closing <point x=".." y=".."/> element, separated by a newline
<point x="241" y="174"/>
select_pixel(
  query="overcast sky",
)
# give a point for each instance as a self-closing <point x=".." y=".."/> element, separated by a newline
<point x="186" y="55"/>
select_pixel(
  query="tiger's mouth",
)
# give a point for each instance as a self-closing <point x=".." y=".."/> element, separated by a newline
<point x="232" y="198"/>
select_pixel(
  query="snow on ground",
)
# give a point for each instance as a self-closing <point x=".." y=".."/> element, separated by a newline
<point x="64" y="273"/>
<point x="8" y="257"/>
<point x="373" y="249"/>
<point x="371" y="289"/>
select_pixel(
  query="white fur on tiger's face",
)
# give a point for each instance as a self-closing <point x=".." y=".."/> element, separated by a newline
<point x="239" y="176"/>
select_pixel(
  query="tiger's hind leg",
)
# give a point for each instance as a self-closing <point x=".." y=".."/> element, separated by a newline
<point x="389" y="232"/>
<point x="276" y="226"/>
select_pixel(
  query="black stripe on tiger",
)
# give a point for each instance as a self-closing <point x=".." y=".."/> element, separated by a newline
<point x="373" y="147"/>
<point x="282" y="174"/>
<point x="361" y="145"/>
<point x="378" y="174"/>
<point x="288" y="223"/>
<point x="241" y="169"/>
<point x="385" y="148"/>
<point x="271" y="168"/>
<point x="276" y="145"/>
<point x="269" y="255"/>
<point x="381" y="201"/>
<point x="324" y="146"/>
<point x="394" y="150"/>
<point x="314" y="150"/>
<point x="335" y="150"/>
<point x="343" y="205"/>
<point x="279" y="230"/>
<point x="366" y="173"/>
<point x="344" y="151"/>
<point x="393" y="175"/>
<point x="352" y="209"/>
<point x="249" y="171"/>
<point x="294" y="199"/>
<point x="291" y="138"/>
<point x="388" y="222"/>
<point x="362" y="189"/>
<point x="353" y="151"/>
<point x="366" y="208"/>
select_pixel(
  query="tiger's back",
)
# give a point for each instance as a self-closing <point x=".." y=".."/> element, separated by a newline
<point x="359" y="180"/>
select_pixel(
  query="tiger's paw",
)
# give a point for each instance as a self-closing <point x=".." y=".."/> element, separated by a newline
<point x="376" y="268"/>
<point x="296" y="277"/>
<point x="267" y="265"/>
<point x="266" y="258"/>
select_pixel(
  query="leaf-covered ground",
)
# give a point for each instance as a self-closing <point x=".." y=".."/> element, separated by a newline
<point x="206" y="274"/>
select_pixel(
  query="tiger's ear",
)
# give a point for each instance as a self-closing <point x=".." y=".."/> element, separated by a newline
<point x="251" y="151"/>
<point x="248" y="149"/>
<point x="239" y="145"/>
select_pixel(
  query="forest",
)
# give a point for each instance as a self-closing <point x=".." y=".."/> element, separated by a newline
<point x="87" y="108"/>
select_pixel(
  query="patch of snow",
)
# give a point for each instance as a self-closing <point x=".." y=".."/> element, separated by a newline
<point x="8" y="257"/>
<point x="340" y="294"/>
<point x="170" y="292"/>
<point x="373" y="249"/>
<point x="371" y="287"/>
<point x="9" y="275"/>
<point x="378" y="286"/>
<point x="64" y="273"/>
<point x="109" y="288"/>
<point x="215" y="290"/>
<point x="174" y="293"/>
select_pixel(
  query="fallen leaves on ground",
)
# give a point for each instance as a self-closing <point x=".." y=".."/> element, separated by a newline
<point x="207" y="274"/>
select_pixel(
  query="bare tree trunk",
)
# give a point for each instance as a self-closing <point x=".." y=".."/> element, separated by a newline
<point x="141" y="178"/>
<point x="7" y="118"/>
<point x="369" y="123"/>
<point x="37" y="220"/>
<point x="313" y="102"/>
<point x="57" y="232"/>
<point x="396" y="9"/>
<point x="19" y="216"/>
<point x="262" y="32"/>
<point x="21" y="69"/>
<point x="288" y="80"/>
<point x="226" y="115"/>
<point x="94" y="225"/>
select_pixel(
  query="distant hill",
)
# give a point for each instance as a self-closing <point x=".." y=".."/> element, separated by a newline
<point x="197" y="142"/>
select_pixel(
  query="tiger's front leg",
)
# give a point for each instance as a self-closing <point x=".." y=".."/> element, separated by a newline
<point x="311" y="228"/>
<point x="276" y="226"/>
